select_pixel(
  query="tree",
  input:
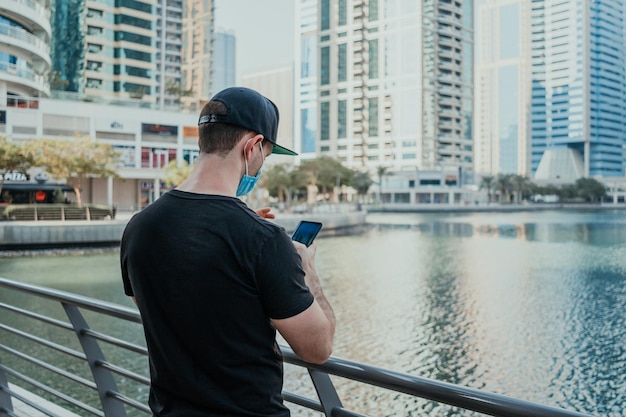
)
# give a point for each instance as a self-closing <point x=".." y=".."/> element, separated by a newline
<point x="487" y="182"/>
<point x="361" y="182"/>
<point x="279" y="181"/>
<point x="521" y="185"/>
<point x="590" y="189"/>
<point x="325" y="173"/>
<point x="175" y="88"/>
<point x="75" y="160"/>
<point x="505" y="186"/>
<point x="14" y="157"/>
<point x="174" y="174"/>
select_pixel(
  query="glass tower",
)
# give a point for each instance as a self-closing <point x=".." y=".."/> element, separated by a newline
<point x="578" y="113"/>
<point x="502" y="87"/>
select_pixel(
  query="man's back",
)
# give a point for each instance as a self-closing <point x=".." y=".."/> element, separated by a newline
<point x="208" y="274"/>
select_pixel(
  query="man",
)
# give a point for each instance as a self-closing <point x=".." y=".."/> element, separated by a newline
<point x="214" y="280"/>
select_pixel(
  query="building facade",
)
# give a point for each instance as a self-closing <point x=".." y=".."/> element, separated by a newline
<point x="224" y="61"/>
<point x="146" y="139"/>
<point x="502" y="94"/>
<point x="578" y="113"/>
<point x="198" y="27"/>
<point x="153" y="53"/>
<point x="104" y="50"/>
<point x="393" y="83"/>
<point x="24" y="49"/>
<point x="277" y="85"/>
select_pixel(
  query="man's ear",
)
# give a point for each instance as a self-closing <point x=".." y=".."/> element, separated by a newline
<point x="251" y="143"/>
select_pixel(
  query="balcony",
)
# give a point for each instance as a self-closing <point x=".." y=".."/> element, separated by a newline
<point x="29" y="13"/>
<point x="20" y="43"/>
<point x="24" y="78"/>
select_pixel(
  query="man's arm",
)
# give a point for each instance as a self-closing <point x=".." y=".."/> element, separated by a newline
<point x="310" y="333"/>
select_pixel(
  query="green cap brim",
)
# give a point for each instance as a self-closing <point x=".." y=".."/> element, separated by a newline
<point x="279" y="150"/>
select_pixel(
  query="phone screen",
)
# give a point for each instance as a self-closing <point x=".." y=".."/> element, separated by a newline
<point x="306" y="231"/>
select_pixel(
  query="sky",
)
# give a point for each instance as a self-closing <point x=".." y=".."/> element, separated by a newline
<point x="264" y="31"/>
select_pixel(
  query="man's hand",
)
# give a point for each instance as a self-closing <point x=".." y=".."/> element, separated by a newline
<point x="265" y="213"/>
<point x="310" y="333"/>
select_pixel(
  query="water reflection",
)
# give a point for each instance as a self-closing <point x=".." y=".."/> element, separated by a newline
<point x="531" y="305"/>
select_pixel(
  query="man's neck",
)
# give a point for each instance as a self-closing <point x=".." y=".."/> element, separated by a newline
<point x="212" y="174"/>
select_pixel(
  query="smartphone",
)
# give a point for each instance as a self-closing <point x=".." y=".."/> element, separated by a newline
<point x="306" y="231"/>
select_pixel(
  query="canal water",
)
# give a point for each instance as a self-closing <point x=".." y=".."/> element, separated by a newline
<point x="528" y="304"/>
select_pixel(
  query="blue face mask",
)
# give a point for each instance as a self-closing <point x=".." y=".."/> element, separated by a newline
<point x="247" y="182"/>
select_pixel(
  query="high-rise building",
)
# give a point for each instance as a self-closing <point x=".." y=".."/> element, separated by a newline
<point x="502" y="89"/>
<point x="198" y="24"/>
<point x="24" y="48"/>
<point x="224" y="62"/>
<point x="578" y="111"/>
<point x="154" y="52"/>
<point x="277" y="85"/>
<point x="169" y="29"/>
<point x="105" y="50"/>
<point x="394" y="82"/>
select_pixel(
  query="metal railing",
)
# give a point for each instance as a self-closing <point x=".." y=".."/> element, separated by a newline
<point x="121" y="384"/>
<point x="40" y="212"/>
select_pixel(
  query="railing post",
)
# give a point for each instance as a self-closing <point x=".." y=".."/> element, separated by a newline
<point x="325" y="391"/>
<point x="103" y="378"/>
<point x="6" y="404"/>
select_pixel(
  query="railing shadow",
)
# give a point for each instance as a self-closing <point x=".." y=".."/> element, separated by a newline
<point x="51" y="350"/>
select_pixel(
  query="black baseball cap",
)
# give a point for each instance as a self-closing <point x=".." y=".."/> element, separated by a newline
<point x="248" y="109"/>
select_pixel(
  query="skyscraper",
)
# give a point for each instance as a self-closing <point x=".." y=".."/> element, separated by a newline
<point x="393" y="83"/>
<point x="156" y="53"/>
<point x="105" y="50"/>
<point x="578" y="108"/>
<point x="198" y="24"/>
<point x="501" y="135"/>
<point x="223" y="68"/>
<point x="169" y="29"/>
<point x="24" y="48"/>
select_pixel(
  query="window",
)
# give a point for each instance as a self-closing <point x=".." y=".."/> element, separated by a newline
<point x="373" y="61"/>
<point x="325" y="15"/>
<point x="342" y="73"/>
<point x="342" y="15"/>
<point x="325" y="120"/>
<point x="122" y="19"/>
<point x="373" y="117"/>
<point x="135" y="5"/>
<point x="308" y="120"/>
<point x="342" y="123"/>
<point x="325" y="66"/>
<point x="94" y="13"/>
<point x="93" y="48"/>
<point x="121" y="35"/>
<point x="94" y="30"/>
<point x="373" y="10"/>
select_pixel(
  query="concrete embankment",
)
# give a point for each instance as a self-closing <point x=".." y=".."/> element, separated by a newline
<point x="58" y="234"/>
<point x="499" y="208"/>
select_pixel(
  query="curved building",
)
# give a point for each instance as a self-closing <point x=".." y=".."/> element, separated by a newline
<point x="24" y="48"/>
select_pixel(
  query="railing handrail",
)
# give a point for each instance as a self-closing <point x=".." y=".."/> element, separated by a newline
<point x="329" y="402"/>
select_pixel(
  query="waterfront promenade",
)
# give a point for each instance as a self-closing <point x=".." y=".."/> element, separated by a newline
<point x="17" y="235"/>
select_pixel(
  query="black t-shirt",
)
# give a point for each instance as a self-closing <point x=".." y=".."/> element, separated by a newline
<point x="208" y="274"/>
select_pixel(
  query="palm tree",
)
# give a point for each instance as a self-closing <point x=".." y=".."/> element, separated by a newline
<point x="487" y="182"/>
<point x="381" y="171"/>
<point x="505" y="186"/>
<point x="521" y="184"/>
